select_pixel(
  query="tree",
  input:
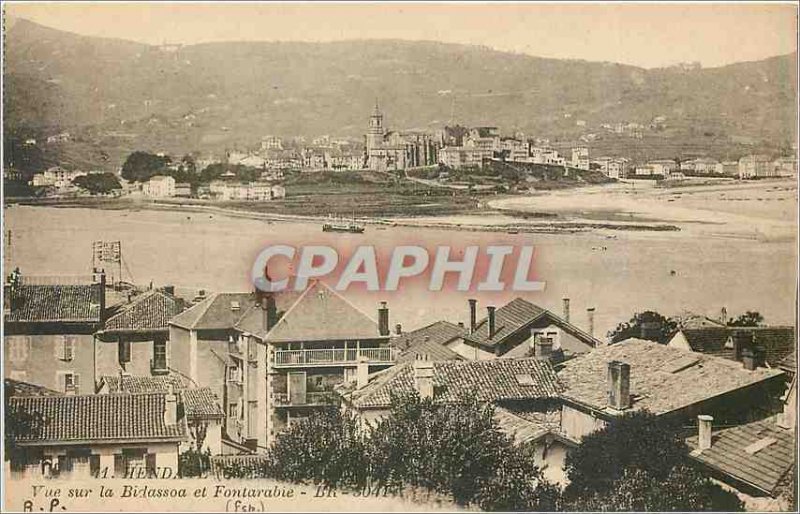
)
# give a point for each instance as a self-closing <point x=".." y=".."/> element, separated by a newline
<point x="327" y="447"/>
<point x="639" y="462"/>
<point x="648" y="325"/>
<point x="98" y="183"/>
<point x="748" y="319"/>
<point x="140" y="166"/>
<point x="456" y="449"/>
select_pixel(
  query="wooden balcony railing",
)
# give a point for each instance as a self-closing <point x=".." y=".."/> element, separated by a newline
<point x="333" y="357"/>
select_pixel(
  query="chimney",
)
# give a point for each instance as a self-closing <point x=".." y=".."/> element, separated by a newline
<point x="704" y="423"/>
<point x="270" y="310"/>
<point x="619" y="383"/>
<point x="171" y="407"/>
<point x="121" y="382"/>
<point x="362" y="372"/>
<point x="169" y="289"/>
<point x="99" y="277"/>
<point x="461" y="324"/>
<point x="398" y="329"/>
<point x="423" y="377"/>
<point x="565" y="303"/>
<point x="749" y="359"/>
<point x="543" y="348"/>
<point x="383" y="319"/>
<point x="723" y="316"/>
<point x="490" y="311"/>
<point x="742" y="339"/>
<point x="473" y="313"/>
<point x="590" y="316"/>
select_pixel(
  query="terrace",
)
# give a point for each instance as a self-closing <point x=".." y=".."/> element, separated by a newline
<point x="333" y="357"/>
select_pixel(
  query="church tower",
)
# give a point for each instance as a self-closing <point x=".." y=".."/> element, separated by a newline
<point x="375" y="132"/>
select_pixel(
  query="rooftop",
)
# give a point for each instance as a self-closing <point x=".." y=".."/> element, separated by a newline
<point x="759" y="454"/>
<point x="517" y="314"/>
<point x="777" y="342"/>
<point x="55" y="303"/>
<point x="19" y="388"/>
<point x="322" y="314"/>
<point x="198" y="403"/>
<point x="429" y="341"/>
<point x="659" y="377"/>
<point x="491" y="380"/>
<point x="220" y="311"/>
<point x="98" y="418"/>
<point x="150" y="311"/>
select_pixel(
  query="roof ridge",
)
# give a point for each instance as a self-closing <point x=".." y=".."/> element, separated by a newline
<point x="208" y="302"/>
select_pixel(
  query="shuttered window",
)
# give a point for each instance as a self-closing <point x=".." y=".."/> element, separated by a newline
<point x="124" y="350"/>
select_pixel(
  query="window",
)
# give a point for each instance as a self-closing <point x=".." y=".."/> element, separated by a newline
<point x="65" y="348"/>
<point x="68" y="348"/>
<point x="124" y="350"/>
<point x="232" y="408"/>
<point x="159" y="354"/>
<point x="235" y="374"/>
<point x="70" y="382"/>
<point x="19" y="348"/>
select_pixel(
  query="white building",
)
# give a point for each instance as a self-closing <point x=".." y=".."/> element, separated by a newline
<point x="756" y="166"/>
<point x="57" y="177"/>
<point x="159" y="186"/>
<point x="580" y="158"/>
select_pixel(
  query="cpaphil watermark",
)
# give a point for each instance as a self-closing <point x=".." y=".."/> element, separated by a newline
<point x="491" y="268"/>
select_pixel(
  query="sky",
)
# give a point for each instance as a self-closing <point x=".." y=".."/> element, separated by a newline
<point x="647" y="35"/>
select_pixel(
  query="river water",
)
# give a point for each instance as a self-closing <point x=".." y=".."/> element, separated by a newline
<point x="616" y="272"/>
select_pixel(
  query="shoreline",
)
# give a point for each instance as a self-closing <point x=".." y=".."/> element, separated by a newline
<point x="517" y="222"/>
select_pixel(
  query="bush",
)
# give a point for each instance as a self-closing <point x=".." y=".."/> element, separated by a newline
<point x="194" y="463"/>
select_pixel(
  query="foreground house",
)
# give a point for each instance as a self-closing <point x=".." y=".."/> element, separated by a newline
<point x="296" y="361"/>
<point x="636" y="375"/>
<point x="110" y="435"/>
<point x="757" y="459"/>
<point x="49" y="330"/>
<point x="760" y="346"/>
<point x="134" y="338"/>
<point x="513" y="330"/>
<point x="201" y="408"/>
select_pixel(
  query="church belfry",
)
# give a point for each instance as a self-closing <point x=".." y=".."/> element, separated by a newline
<point x="376" y="121"/>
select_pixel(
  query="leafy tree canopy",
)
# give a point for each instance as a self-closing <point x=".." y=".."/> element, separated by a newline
<point x="140" y="166"/>
<point x="98" y="183"/>
<point x="648" y="325"/>
<point x="748" y="319"/>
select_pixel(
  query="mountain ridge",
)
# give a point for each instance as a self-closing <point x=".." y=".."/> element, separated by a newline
<point x="206" y="97"/>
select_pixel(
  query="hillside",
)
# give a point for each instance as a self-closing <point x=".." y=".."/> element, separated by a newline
<point x="120" y="95"/>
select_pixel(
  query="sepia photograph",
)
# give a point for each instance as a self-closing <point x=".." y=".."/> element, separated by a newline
<point x="399" y="256"/>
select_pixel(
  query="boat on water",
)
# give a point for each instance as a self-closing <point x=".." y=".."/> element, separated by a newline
<point x="339" y="225"/>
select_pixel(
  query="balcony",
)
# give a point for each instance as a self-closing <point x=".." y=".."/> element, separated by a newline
<point x="333" y="357"/>
<point x="315" y="399"/>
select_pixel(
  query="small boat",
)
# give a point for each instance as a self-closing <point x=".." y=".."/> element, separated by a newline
<point x="513" y="231"/>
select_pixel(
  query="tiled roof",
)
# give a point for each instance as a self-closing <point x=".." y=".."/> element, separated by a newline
<point x="19" y="388"/>
<point x="732" y="454"/>
<point x="789" y="363"/>
<point x="98" y="418"/>
<point x="321" y="314"/>
<point x="429" y="341"/>
<point x="217" y="312"/>
<point x="198" y="403"/>
<point x="662" y="378"/>
<point x="149" y="311"/>
<point x="201" y="403"/>
<point x="142" y="384"/>
<point x="526" y="428"/>
<point x="517" y="314"/>
<point x="777" y="342"/>
<point x="55" y="303"/>
<point x="254" y="319"/>
<point x="491" y="380"/>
